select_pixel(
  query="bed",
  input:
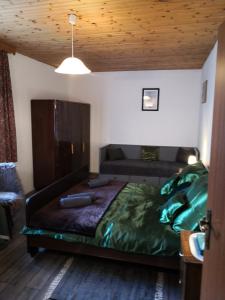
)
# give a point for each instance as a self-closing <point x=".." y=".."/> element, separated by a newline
<point x="129" y="230"/>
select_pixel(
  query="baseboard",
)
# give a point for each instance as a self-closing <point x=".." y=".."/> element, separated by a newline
<point x="93" y="175"/>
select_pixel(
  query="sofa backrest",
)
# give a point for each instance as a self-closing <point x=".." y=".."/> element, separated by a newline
<point x="166" y="153"/>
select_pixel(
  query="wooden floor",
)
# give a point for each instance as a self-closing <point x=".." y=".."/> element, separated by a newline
<point x="23" y="277"/>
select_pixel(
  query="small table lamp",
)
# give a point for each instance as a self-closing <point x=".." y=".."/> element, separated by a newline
<point x="192" y="159"/>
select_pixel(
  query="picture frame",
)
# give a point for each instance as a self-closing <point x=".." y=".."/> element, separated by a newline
<point x="204" y="91"/>
<point x="150" y="99"/>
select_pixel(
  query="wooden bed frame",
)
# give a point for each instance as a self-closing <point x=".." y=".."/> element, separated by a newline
<point x="44" y="196"/>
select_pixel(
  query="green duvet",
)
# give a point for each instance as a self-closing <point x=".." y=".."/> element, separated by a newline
<point x="131" y="225"/>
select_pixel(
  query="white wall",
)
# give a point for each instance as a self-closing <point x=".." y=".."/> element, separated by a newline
<point x="31" y="80"/>
<point x="116" y="108"/>
<point x="92" y="89"/>
<point x="115" y="99"/>
<point x="206" y="110"/>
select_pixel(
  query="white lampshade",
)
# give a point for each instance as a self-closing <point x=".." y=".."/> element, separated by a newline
<point x="73" y="66"/>
<point x="192" y="159"/>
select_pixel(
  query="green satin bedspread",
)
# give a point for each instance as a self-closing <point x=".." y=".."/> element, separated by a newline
<point x="131" y="225"/>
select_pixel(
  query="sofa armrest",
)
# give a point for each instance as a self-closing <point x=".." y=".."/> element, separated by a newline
<point x="197" y="152"/>
<point x="102" y="154"/>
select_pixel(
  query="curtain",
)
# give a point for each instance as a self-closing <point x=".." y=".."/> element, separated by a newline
<point x="8" y="152"/>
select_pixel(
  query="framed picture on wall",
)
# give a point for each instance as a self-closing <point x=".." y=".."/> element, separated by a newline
<point x="150" y="99"/>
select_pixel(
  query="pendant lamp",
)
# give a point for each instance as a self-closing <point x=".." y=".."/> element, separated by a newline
<point x="72" y="65"/>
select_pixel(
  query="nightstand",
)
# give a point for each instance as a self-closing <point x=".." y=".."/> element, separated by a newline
<point x="191" y="270"/>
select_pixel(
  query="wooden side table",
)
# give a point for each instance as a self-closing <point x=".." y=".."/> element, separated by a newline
<point x="191" y="270"/>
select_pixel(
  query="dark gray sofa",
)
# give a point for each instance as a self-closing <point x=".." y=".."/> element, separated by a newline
<point x="134" y="169"/>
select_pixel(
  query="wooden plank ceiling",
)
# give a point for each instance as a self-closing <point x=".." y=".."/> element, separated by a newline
<point x="114" y="35"/>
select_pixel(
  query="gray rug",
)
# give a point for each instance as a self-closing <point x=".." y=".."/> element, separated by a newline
<point x="86" y="278"/>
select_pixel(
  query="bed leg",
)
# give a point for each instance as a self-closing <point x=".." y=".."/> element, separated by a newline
<point x="32" y="251"/>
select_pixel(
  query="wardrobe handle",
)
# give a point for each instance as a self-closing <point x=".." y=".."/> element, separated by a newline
<point x="83" y="147"/>
<point x="72" y="148"/>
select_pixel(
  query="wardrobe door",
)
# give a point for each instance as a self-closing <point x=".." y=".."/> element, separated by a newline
<point x="63" y="144"/>
<point x="85" y="134"/>
<point x="43" y="140"/>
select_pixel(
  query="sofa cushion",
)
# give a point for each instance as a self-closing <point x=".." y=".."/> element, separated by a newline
<point x="167" y="153"/>
<point x="115" y="154"/>
<point x="140" y="167"/>
<point x="150" y="153"/>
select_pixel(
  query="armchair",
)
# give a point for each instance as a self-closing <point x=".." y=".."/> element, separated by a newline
<point x="11" y="194"/>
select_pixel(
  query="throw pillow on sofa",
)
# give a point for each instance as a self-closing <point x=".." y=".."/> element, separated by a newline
<point x="150" y="153"/>
<point x="115" y="154"/>
<point x="183" y="179"/>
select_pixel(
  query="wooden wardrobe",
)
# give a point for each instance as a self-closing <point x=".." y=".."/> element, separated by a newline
<point x="61" y="139"/>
